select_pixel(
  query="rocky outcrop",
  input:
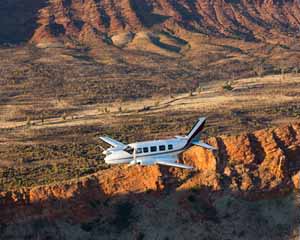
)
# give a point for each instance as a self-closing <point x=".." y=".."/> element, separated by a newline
<point x="253" y="165"/>
<point x="263" y="161"/>
<point x="72" y="21"/>
<point x="53" y="200"/>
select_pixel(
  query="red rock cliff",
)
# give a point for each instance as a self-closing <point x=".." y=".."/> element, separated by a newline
<point x="256" y="165"/>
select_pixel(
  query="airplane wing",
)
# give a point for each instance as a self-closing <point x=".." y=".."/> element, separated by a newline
<point x="112" y="142"/>
<point x="204" y="145"/>
<point x="170" y="164"/>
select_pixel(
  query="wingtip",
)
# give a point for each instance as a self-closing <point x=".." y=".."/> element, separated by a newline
<point x="103" y="137"/>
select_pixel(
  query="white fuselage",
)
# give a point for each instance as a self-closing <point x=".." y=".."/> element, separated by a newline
<point x="159" y="152"/>
<point x="146" y="153"/>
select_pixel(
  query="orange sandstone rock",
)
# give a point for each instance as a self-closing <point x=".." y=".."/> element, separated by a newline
<point x="253" y="165"/>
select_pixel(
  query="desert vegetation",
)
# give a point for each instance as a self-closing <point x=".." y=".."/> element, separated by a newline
<point x="49" y="94"/>
<point x="71" y="71"/>
<point x="51" y="137"/>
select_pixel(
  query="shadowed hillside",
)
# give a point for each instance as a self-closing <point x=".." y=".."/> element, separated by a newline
<point x="19" y="20"/>
<point x="94" y="21"/>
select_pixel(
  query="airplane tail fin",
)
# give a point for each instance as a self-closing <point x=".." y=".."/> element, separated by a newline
<point x="194" y="134"/>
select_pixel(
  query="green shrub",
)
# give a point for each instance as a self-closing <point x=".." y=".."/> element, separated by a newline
<point x="228" y="86"/>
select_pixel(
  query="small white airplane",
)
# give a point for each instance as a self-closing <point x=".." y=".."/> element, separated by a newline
<point x="162" y="152"/>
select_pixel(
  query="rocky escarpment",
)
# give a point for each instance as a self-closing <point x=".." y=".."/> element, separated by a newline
<point x="265" y="161"/>
<point x="94" y="22"/>
<point x="262" y="164"/>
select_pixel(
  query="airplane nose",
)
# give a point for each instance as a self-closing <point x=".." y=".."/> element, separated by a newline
<point x="108" y="161"/>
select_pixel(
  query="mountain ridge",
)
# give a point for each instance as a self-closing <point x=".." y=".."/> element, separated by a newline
<point x="93" y="21"/>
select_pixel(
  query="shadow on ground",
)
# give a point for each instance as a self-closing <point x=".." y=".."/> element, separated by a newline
<point x="192" y="214"/>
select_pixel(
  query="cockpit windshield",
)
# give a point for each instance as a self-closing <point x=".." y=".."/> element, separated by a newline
<point x="129" y="149"/>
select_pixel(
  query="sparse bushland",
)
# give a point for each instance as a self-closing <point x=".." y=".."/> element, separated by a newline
<point x="49" y="103"/>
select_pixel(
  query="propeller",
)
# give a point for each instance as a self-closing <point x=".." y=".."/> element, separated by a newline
<point x="104" y="151"/>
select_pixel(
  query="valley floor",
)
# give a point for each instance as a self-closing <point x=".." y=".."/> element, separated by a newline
<point x="45" y="149"/>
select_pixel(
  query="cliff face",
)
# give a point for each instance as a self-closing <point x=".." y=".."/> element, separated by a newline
<point x="94" y="22"/>
<point x="263" y="161"/>
<point x="257" y="165"/>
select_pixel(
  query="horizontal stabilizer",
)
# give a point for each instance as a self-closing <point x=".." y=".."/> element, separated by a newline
<point x="178" y="165"/>
<point x="204" y="145"/>
<point x="112" y="142"/>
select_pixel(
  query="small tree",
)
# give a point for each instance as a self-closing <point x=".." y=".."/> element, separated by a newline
<point x="64" y="116"/>
<point x="259" y="70"/>
<point x="228" y="86"/>
<point x="191" y="92"/>
<point x="28" y="121"/>
<point x="55" y="167"/>
<point x="296" y="71"/>
<point x="283" y="69"/>
<point x="199" y="90"/>
<point x="42" y="117"/>
<point x="170" y="92"/>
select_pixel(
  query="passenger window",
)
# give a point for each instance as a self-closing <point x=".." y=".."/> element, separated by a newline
<point x="129" y="150"/>
<point x="145" y="149"/>
<point x="162" y="148"/>
<point x="153" y="149"/>
<point x="170" y="147"/>
<point x="139" y="150"/>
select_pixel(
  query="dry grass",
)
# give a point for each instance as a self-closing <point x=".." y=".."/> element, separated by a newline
<point x="55" y="147"/>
